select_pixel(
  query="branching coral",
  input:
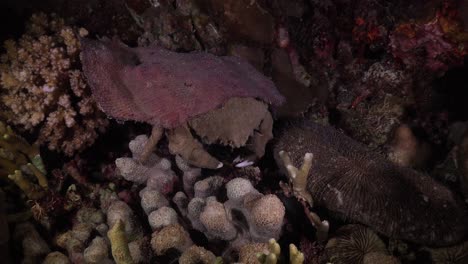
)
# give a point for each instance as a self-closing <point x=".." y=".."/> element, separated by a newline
<point x="457" y="254"/>
<point x="44" y="89"/>
<point x="272" y="255"/>
<point x="21" y="161"/>
<point x="263" y="214"/>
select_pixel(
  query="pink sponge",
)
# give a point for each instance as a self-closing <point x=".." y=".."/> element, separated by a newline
<point x="161" y="87"/>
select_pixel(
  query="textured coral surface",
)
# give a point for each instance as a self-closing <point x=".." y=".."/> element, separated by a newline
<point x="44" y="89"/>
<point x="358" y="184"/>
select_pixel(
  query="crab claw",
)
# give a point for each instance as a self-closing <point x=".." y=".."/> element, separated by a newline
<point x="182" y="142"/>
<point x="244" y="163"/>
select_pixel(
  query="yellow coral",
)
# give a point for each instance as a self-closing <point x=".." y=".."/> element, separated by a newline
<point x="273" y="254"/>
<point x="16" y="156"/>
<point x="43" y="88"/>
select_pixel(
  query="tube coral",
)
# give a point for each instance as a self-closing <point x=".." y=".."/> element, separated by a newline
<point x="44" y="89"/>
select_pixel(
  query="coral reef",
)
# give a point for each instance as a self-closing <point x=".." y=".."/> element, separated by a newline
<point x="43" y="88"/>
<point x="246" y="214"/>
<point x="358" y="183"/>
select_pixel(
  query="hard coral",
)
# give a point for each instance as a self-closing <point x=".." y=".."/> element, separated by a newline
<point x="197" y="255"/>
<point x="44" y="89"/>
<point x="260" y="217"/>
<point x="21" y="162"/>
<point x="173" y="236"/>
<point x="363" y="186"/>
<point x="352" y="243"/>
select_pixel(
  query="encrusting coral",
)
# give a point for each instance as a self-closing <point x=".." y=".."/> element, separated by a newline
<point x="21" y="162"/>
<point x="43" y="88"/>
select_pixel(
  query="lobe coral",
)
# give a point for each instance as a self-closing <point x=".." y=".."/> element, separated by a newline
<point x="357" y="184"/>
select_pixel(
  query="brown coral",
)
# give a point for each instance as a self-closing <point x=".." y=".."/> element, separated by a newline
<point x="197" y="255"/>
<point x="21" y="162"/>
<point x="173" y="236"/>
<point x="349" y="179"/>
<point x="44" y="89"/>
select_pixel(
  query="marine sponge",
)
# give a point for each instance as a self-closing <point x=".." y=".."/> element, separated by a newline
<point x="356" y="183"/>
<point x="44" y="89"/>
<point x="272" y="254"/>
<point x="216" y="222"/>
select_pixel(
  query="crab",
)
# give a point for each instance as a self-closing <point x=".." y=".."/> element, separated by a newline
<point x="191" y="97"/>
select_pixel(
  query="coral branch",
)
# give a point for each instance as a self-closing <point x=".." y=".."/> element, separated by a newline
<point x="17" y="156"/>
<point x="321" y="226"/>
<point x="295" y="256"/>
<point x="31" y="190"/>
<point x="297" y="177"/>
<point x="119" y="244"/>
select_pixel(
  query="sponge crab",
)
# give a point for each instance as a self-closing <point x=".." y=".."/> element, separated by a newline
<point x="222" y="100"/>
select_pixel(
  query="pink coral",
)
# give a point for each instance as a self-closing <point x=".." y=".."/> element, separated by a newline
<point x="166" y="88"/>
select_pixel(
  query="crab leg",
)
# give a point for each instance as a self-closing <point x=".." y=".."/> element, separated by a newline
<point x="261" y="137"/>
<point x="181" y="142"/>
<point x="153" y="140"/>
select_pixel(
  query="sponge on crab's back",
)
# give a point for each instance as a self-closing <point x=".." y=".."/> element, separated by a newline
<point x="166" y="88"/>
